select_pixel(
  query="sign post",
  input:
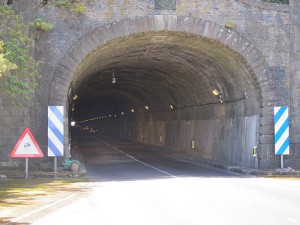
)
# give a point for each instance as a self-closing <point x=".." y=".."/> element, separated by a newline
<point x="26" y="168"/>
<point x="282" y="138"/>
<point x="55" y="133"/>
<point x="26" y="147"/>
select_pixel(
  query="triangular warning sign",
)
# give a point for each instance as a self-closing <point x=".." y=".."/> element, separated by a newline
<point x="26" y="147"/>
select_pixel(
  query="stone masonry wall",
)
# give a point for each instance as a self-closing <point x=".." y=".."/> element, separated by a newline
<point x="265" y="25"/>
<point x="295" y="78"/>
<point x="262" y="26"/>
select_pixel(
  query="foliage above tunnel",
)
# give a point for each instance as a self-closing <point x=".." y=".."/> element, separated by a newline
<point x="18" y="70"/>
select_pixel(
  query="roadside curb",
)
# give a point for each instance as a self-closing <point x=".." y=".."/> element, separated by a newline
<point x="288" y="172"/>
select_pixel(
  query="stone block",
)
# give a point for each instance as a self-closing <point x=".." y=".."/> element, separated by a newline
<point x="3" y="164"/>
<point x="132" y="26"/>
<point x="266" y="121"/>
<point x="118" y="30"/>
<point x="266" y="139"/>
<point x="266" y="130"/>
<point x="183" y="24"/>
<point x="139" y="25"/>
<point x="160" y="23"/>
<point x="172" y="22"/>
<point x="267" y="112"/>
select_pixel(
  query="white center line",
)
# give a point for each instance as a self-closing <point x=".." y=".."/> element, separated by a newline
<point x="139" y="161"/>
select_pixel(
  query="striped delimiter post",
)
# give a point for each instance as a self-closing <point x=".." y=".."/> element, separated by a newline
<point x="282" y="138"/>
<point x="55" y="131"/>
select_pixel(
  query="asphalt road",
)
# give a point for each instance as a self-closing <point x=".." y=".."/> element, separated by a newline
<point x="136" y="185"/>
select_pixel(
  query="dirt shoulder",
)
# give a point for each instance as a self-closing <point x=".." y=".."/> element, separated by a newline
<point x="23" y="200"/>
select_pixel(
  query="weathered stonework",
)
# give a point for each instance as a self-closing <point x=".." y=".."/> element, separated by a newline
<point x="259" y="39"/>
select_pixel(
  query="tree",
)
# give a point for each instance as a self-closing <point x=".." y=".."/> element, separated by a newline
<point x="18" y="69"/>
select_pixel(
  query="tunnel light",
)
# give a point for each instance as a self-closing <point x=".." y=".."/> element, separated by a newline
<point x="73" y="123"/>
<point x="123" y="113"/>
<point x="75" y="97"/>
<point x="113" y="80"/>
<point x="73" y="109"/>
<point x="147" y="107"/>
<point x="115" y="115"/>
<point x="132" y="110"/>
<point x="109" y="115"/>
<point x="173" y="107"/>
<point x="216" y="92"/>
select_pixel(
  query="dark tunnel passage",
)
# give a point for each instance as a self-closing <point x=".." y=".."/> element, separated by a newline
<point x="189" y="94"/>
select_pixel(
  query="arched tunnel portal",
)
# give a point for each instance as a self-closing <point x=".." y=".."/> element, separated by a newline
<point x="189" y="93"/>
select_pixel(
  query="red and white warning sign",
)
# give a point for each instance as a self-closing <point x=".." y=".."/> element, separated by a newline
<point x="26" y="147"/>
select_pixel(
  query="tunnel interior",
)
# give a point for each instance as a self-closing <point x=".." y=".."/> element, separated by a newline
<point x="190" y="94"/>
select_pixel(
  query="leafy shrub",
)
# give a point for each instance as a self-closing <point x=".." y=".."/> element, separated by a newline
<point x="40" y="24"/>
<point x="18" y="70"/>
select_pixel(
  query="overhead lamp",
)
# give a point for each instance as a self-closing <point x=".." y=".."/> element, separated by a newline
<point x="75" y="97"/>
<point x="123" y="113"/>
<point x="132" y="110"/>
<point x="113" y="80"/>
<point x="172" y="107"/>
<point x="216" y="92"/>
<point x="73" y="109"/>
<point x="147" y="107"/>
<point x="73" y="124"/>
<point x="115" y="115"/>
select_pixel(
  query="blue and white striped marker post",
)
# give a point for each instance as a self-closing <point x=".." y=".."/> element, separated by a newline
<point x="282" y="137"/>
<point x="55" y="133"/>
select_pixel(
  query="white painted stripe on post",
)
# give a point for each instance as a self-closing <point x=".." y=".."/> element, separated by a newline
<point x="281" y="121"/>
<point x="55" y="140"/>
<point x="56" y="121"/>
<point x="281" y="140"/>
<point x="55" y="131"/>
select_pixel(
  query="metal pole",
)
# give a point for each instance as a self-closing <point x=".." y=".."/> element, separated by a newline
<point x="281" y="161"/>
<point x="55" y="166"/>
<point x="26" y="168"/>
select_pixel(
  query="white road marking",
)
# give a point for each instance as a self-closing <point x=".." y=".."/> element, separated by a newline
<point x="40" y="209"/>
<point x="135" y="159"/>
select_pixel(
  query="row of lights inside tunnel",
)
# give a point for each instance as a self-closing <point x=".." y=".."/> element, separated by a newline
<point x="215" y="92"/>
<point x="172" y="107"/>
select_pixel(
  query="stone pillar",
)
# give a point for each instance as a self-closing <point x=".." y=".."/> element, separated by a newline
<point x="295" y="83"/>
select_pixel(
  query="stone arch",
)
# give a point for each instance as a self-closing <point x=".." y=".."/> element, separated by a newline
<point x="170" y="23"/>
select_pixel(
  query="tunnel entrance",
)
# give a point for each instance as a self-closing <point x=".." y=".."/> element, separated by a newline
<point x="186" y="92"/>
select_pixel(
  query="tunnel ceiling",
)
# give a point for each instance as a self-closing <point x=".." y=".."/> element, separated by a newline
<point x="159" y="69"/>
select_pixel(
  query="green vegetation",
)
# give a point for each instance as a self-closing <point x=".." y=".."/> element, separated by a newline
<point x="79" y="8"/>
<point x="278" y="1"/>
<point x="18" y="70"/>
<point x="229" y="24"/>
<point x="74" y="5"/>
<point x="64" y="3"/>
<point x="40" y="24"/>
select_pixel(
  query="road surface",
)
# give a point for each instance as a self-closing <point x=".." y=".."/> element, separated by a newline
<point x="133" y="184"/>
